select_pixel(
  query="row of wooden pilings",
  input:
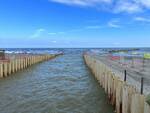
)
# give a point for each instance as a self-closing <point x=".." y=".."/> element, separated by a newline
<point x="124" y="97"/>
<point x="11" y="66"/>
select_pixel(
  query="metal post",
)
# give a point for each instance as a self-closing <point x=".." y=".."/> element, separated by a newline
<point x="143" y="63"/>
<point x="142" y="80"/>
<point x="125" y="75"/>
<point x="132" y="62"/>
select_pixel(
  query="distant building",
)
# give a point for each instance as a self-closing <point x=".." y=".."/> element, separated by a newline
<point x="2" y="54"/>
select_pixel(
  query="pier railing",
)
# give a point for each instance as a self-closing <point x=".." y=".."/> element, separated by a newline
<point x="124" y="97"/>
<point x="14" y="63"/>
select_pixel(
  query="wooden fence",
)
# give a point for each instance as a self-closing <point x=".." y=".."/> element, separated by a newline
<point x="11" y="66"/>
<point x="125" y="98"/>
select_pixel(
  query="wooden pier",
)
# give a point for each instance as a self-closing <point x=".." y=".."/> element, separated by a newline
<point x="124" y="97"/>
<point x="9" y="66"/>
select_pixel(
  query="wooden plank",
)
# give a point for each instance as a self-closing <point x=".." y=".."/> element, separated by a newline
<point x="9" y="68"/>
<point x="146" y="108"/>
<point x="1" y="70"/>
<point x="5" y="64"/>
<point x="128" y="91"/>
<point x="123" y="96"/>
<point x="13" y="66"/>
<point x="119" y="95"/>
<point x="137" y="103"/>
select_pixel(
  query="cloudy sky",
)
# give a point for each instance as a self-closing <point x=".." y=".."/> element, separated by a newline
<point x="74" y="23"/>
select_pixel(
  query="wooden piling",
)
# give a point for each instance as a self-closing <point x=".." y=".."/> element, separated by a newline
<point x="124" y="97"/>
<point x="13" y="66"/>
<point x="1" y="70"/>
<point x="146" y="107"/>
<point x="9" y="68"/>
<point x="127" y="93"/>
<point x="20" y="63"/>
<point x="5" y="69"/>
<point x="137" y="103"/>
<point x="119" y="96"/>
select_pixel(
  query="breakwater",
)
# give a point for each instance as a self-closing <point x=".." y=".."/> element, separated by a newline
<point x="12" y="65"/>
<point x="124" y="97"/>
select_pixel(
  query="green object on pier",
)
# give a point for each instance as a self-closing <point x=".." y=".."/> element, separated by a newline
<point x="148" y="99"/>
<point x="134" y="53"/>
<point x="147" y="55"/>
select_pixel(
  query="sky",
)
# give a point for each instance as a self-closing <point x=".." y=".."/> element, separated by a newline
<point x="74" y="23"/>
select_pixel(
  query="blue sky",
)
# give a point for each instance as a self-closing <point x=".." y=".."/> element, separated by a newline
<point x="74" y="23"/>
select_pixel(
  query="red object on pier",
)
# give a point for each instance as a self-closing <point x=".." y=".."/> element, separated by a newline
<point x="114" y="57"/>
<point x="3" y="57"/>
<point x="5" y="60"/>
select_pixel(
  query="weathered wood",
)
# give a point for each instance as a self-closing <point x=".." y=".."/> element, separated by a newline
<point x="5" y="69"/>
<point x="20" y="63"/>
<point x="146" y="108"/>
<point x="128" y="91"/>
<point x="123" y="96"/>
<point x="9" y="68"/>
<point x="137" y="103"/>
<point x="1" y="70"/>
<point x="13" y="66"/>
<point x="119" y="96"/>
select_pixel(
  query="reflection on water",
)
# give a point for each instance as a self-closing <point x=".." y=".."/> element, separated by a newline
<point x="63" y="85"/>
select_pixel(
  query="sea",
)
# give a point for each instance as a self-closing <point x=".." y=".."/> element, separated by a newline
<point x="61" y="85"/>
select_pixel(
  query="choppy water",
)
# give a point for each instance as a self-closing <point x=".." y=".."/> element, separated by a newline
<point x="62" y="85"/>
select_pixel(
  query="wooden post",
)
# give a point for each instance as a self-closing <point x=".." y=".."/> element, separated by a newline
<point x="1" y="70"/>
<point x="16" y="65"/>
<point x="137" y="103"/>
<point x="124" y="97"/>
<point x="13" y="66"/>
<point x="146" y="108"/>
<point x="9" y="68"/>
<point x="19" y="63"/>
<point x="119" y="96"/>
<point x="26" y="61"/>
<point x="128" y="91"/>
<point x="115" y="84"/>
<point x="5" y="69"/>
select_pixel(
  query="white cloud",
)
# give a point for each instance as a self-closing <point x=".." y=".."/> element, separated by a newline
<point x="114" y="23"/>
<point x="116" y="43"/>
<point x="37" y="33"/>
<point x="82" y="2"/>
<point x="43" y="32"/>
<point x="61" y="32"/>
<point x="145" y="3"/>
<point x="93" y="27"/>
<point x="115" y="6"/>
<point x="51" y="33"/>
<point x="54" y="41"/>
<point x="142" y="19"/>
<point x="76" y="30"/>
<point x="126" y="6"/>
